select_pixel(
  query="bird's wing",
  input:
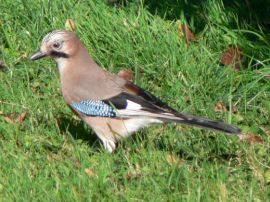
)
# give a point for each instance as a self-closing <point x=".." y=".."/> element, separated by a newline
<point x="135" y="102"/>
<point x="132" y="101"/>
<point x="146" y="97"/>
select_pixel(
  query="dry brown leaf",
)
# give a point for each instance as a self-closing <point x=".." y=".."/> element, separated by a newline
<point x="9" y="118"/>
<point x="220" y="107"/>
<point x="232" y="56"/>
<point x="90" y="172"/>
<point x="15" y="117"/>
<point x="126" y="74"/>
<point x="70" y="25"/>
<point x="251" y="137"/>
<point x="20" y="118"/>
<point x="184" y="29"/>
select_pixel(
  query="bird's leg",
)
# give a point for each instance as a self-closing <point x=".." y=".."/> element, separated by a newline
<point x="109" y="145"/>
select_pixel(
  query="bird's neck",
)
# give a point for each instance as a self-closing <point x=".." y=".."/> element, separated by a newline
<point x="78" y="73"/>
<point x="61" y="64"/>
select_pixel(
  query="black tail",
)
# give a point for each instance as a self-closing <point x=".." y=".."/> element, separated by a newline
<point x="205" y="123"/>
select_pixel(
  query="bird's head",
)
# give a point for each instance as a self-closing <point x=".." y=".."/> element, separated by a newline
<point x="59" y="44"/>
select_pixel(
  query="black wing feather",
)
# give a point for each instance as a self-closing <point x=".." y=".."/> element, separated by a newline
<point x="155" y="102"/>
<point x="150" y="103"/>
<point x="120" y="101"/>
<point x="147" y="100"/>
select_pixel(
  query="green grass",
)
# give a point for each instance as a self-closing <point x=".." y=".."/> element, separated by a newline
<point x="45" y="157"/>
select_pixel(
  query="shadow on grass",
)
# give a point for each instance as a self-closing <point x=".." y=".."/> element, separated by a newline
<point x="78" y="130"/>
<point x="252" y="12"/>
<point x="192" y="152"/>
<point x="81" y="131"/>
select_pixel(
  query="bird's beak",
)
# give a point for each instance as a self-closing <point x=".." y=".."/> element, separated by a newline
<point x="38" y="55"/>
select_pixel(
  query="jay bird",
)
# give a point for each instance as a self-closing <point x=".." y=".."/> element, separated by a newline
<point x="111" y="105"/>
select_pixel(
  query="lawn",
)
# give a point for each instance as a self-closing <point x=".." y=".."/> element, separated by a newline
<point x="53" y="156"/>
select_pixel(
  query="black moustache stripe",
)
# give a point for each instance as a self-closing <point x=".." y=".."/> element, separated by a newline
<point x="59" y="54"/>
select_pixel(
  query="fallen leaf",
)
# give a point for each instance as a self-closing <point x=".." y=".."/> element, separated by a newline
<point x="70" y="25"/>
<point x="220" y="107"/>
<point x="15" y="117"/>
<point x="90" y="172"/>
<point x="126" y="74"/>
<point x="251" y="137"/>
<point x="184" y="29"/>
<point x="232" y="56"/>
<point x="9" y="119"/>
<point x="21" y="117"/>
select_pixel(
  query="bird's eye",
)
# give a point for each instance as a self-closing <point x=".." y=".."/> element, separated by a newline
<point x="56" y="45"/>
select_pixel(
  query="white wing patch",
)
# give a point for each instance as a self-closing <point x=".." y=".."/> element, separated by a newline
<point x="132" y="125"/>
<point x="133" y="105"/>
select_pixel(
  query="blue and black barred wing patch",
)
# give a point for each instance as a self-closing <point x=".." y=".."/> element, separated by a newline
<point x="94" y="108"/>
